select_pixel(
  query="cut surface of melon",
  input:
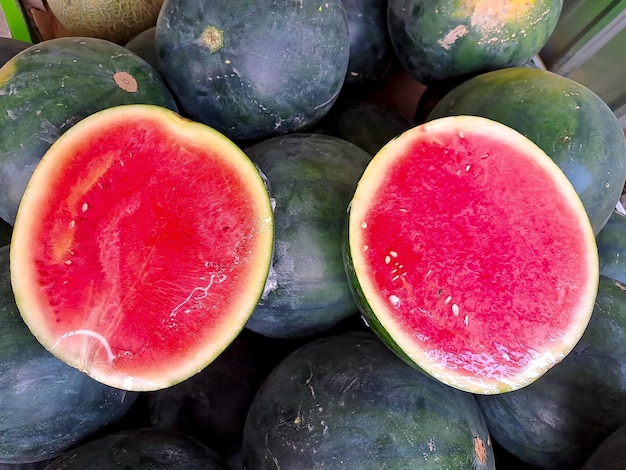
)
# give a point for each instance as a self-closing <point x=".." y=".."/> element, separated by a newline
<point x="473" y="254"/>
<point x="141" y="246"/>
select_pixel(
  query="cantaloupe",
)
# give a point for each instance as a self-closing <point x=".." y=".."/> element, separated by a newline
<point x="115" y="20"/>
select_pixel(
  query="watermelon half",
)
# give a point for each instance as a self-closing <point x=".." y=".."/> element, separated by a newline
<point x="471" y="255"/>
<point x="141" y="246"/>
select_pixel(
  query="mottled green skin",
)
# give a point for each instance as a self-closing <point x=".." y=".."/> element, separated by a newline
<point x="611" y="243"/>
<point x="312" y="178"/>
<point x="610" y="454"/>
<point x="52" y="85"/>
<point x="140" y="448"/>
<point x="10" y="47"/>
<point x="556" y="422"/>
<point x="345" y="401"/>
<point x="437" y="90"/>
<point x="566" y="119"/>
<point x="423" y="38"/>
<point x="46" y="406"/>
<point x="279" y="69"/>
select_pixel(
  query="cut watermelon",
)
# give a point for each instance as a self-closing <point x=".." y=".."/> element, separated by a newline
<point x="471" y="255"/>
<point x="141" y="246"/>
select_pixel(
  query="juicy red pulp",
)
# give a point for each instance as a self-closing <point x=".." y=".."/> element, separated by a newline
<point x="462" y="267"/>
<point x="168" y="233"/>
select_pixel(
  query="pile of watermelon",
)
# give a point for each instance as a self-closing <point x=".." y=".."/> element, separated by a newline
<point x="276" y="234"/>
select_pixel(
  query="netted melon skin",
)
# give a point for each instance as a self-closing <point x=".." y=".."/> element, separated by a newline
<point x="115" y="20"/>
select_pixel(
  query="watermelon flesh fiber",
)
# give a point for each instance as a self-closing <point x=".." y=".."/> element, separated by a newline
<point x="483" y="291"/>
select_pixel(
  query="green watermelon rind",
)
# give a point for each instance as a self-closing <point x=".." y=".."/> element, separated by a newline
<point x="141" y="447"/>
<point x="311" y="177"/>
<point x="611" y="241"/>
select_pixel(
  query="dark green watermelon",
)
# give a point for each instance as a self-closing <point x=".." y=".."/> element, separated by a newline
<point x="345" y="401"/>
<point x="611" y="243"/>
<point x="25" y="466"/>
<point x="311" y="178"/>
<point x="46" y="406"/>
<point x="438" y="40"/>
<point x="610" y="454"/>
<point x="254" y="68"/>
<point x="371" y="54"/>
<point x="140" y="449"/>
<point x="556" y="422"/>
<point x="52" y="85"/>
<point x="566" y="119"/>
<point x="365" y="124"/>
<point x="436" y="90"/>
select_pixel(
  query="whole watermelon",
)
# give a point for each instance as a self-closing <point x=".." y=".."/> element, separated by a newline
<point x="311" y="178"/>
<point x="140" y="448"/>
<point x="254" y="68"/>
<point x="439" y="40"/>
<point x="345" y="401"/>
<point x="610" y="454"/>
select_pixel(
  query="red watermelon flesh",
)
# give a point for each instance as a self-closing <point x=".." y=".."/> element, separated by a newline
<point x="471" y="254"/>
<point x="141" y="246"/>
